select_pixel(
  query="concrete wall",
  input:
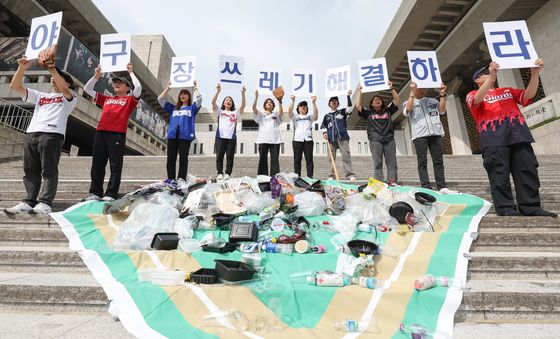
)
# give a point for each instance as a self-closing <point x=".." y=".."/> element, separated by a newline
<point x="156" y="53"/>
<point x="544" y="28"/>
<point x="547" y="140"/>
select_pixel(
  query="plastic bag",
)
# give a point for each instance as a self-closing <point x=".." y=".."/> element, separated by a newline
<point x="185" y="226"/>
<point x="138" y="230"/>
<point x="344" y="223"/>
<point x="263" y="201"/>
<point x="167" y="198"/>
<point x="309" y="204"/>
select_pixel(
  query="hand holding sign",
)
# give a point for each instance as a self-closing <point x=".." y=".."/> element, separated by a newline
<point x="46" y="57"/>
<point x="540" y="66"/>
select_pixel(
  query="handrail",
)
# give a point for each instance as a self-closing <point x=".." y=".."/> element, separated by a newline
<point x="14" y="117"/>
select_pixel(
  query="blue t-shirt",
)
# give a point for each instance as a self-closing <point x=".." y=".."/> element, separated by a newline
<point x="181" y="121"/>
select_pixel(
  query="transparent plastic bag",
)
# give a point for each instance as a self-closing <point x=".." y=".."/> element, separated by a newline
<point x="185" y="226"/>
<point x="310" y="204"/>
<point x="167" y="198"/>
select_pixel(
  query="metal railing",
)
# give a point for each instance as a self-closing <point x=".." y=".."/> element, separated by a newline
<point x="14" y="117"/>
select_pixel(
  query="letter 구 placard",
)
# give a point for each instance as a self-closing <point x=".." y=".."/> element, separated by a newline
<point x="510" y="44"/>
<point x="44" y="33"/>
<point x="114" y="55"/>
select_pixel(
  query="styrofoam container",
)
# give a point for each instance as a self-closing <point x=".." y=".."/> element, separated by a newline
<point x="168" y="278"/>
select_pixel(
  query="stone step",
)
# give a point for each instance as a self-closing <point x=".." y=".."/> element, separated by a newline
<point x="493" y="223"/>
<point x="505" y="330"/>
<point x="40" y="292"/>
<point x="514" y="265"/>
<point x="518" y="241"/>
<point x="510" y="300"/>
<point x="40" y="259"/>
<point x="32" y="236"/>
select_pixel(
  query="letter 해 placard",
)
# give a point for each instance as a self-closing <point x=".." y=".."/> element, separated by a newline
<point x="44" y="33"/>
<point x="183" y="70"/>
<point x="337" y="81"/>
<point x="509" y="44"/>
<point x="114" y="54"/>
<point x="424" y="68"/>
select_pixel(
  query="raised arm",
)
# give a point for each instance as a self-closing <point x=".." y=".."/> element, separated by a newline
<point x="215" y="97"/>
<point x="291" y="107"/>
<point x="197" y="96"/>
<point x="161" y="97"/>
<point x="442" y="98"/>
<point x="488" y="84"/>
<point x="315" y="109"/>
<point x="533" y="85"/>
<point x="243" y="100"/>
<point x="255" y="110"/>
<point x="280" y="110"/>
<point x="137" y="85"/>
<point x="349" y="107"/>
<point x="410" y="101"/>
<point x="359" y="99"/>
<point x="88" y="88"/>
<point x="394" y="94"/>
<point x="17" y="80"/>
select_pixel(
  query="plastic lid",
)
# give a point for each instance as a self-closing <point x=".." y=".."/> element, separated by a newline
<point x="189" y="245"/>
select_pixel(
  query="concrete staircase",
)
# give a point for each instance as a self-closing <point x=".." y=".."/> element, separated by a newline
<point x="46" y="291"/>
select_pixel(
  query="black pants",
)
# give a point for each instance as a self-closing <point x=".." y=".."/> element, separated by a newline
<point x="263" y="159"/>
<point x="107" y="146"/>
<point x="227" y="147"/>
<point x="40" y="160"/>
<point x="182" y="147"/>
<point x="433" y="143"/>
<point x="520" y="161"/>
<point x="303" y="148"/>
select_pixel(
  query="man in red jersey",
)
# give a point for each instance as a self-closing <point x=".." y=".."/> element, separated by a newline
<point x="110" y="136"/>
<point x="506" y="141"/>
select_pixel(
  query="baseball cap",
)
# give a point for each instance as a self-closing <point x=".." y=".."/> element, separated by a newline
<point x="121" y="79"/>
<point x="66" y="77"/>
<point x="480" y="71"/>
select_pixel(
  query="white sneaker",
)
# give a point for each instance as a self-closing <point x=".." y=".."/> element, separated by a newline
<point x="20" y="208"/>
<point x="220" y="177"/>
<point x="226" y="176"/>
<point x="42" y="208"/>
<point x="352" y="178"/>
<point x="330" y="178"/>
<point x="446" y="190"/>
<point x="107" y="199"/>
<point x="91" y="197"/>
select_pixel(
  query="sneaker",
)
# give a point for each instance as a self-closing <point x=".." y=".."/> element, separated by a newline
<point x="220" y="177"/>
<point x="446" y="190"/>
<point x="42" y="208"/>
<point x="20" y="208"/>
<point x="226" y="176"/>
<point x="330" y="178"/>
<point x="107" y="198"/>
<point x="352" y="178"/>
<point x="91" y="197"/>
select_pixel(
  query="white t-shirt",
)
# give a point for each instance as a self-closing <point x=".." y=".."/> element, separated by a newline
<point x="269" y="128"/>
<point x="303" y="127"/>
<point x="51" y="111"/>
<point x="227" y="121"/>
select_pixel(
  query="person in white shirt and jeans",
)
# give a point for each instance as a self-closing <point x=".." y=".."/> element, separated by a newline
<point x="268" y="138"/>
<point x="44" y="137"/>
<point x="303" y="133"/>
<point x="226" y="131"/>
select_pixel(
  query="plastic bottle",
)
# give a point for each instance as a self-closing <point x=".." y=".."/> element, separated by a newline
<point x="237" y="318"/>
<point x="368" y="282"/>
<point x="372" y="229"/>
<point x="322" y="279"/>
<point x="270" y="247"/>
<point x="420" y="332"/>
<point x="353" y="326"/>
<point x="428" y="281"/>
<point x="249" y="247"/>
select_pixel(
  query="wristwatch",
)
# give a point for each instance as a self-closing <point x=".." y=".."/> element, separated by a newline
<point x="443" y="95"/>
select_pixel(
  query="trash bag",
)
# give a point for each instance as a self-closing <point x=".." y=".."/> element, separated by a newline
<point x="138" y="230"/>
<point x="167" y="198"/>
<point x="184" y="227"/>
<point x="309" y="204"/>
<point x="262" y="202"/>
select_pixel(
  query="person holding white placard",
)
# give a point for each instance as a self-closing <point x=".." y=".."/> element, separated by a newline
<point x="268" y="138"/>
<point x="335" y="131"/>
<point x="226" y="131"/>
<point x="303" y="133"/>
<point x="506" y="141"/>
<point x="181" y="130"/>
<point x="380" y="133"/>
<point x="44" y="136"/>
<point x="110" y="135"/>
<point x="427" y="133"/>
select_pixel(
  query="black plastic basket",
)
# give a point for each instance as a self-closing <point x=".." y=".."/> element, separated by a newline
<point x="233" y="270"/>
<point x="165" y="241"/>
<point x="264" y="186"/>
<point x="362" y="247"/>
<point x="204" y="276"/>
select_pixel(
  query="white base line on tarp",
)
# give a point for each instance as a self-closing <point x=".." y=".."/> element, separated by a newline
<point x="378" y="293"/>
<point x="126" y="309"/>
<point x="445" y="322"/>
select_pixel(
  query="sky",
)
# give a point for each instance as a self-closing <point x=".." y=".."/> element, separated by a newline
<point x="287" y="34"/>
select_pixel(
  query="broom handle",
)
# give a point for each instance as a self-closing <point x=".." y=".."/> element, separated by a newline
<point x="332" y="161"/>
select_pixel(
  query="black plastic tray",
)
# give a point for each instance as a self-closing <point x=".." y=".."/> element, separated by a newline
<point x="228" y="247"/>
<point x="165" y="241"/>
<point x="233" y="270"/>
<point x="204" y="276"/>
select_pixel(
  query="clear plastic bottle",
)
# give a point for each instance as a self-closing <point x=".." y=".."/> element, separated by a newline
<point x="372" y="229"/>
<point x="428" y="281"/>
<point x="354" y="326"/>
<point x="220" y="319"/>
<point x="270" y="247"/>
<point x="249" y="247"/>
<point x="368" y="282"/>
<point x="420" y="332"/>
<point x="326" y="279"/>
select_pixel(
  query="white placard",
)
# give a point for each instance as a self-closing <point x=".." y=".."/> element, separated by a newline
<point x="303" y="83"/>
<point x="231" y="71"/>
<point x="373" y="75"/>
<point x="424" y="69"/>
<point x="510" y="44"/>
<point x="337" y="81"/>
<point x="183" y="71"/>
<point x="114" y="53"/>
<point x="44" y="33"/>
<point x="268" y="79"/>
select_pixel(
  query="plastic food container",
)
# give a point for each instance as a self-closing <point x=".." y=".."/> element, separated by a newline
<point x="168" y="278"/>
<point x="204" y="276"/>
<point x="189" y="245"/>
<point x="233" y="270"/>
<point x="165" y="241"/>
<point x="145" y="274"/>
<point x="252" y="259"/>
<point x="358" y="247"/>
